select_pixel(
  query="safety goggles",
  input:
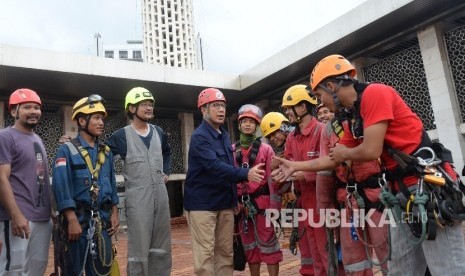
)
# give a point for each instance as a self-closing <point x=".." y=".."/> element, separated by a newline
<point x="250" y="109"/>
<point x="91" y="101"/>
<point x="94" y="98"/>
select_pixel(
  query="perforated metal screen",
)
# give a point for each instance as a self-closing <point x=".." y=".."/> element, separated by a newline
<point x="405" y="72"/>
<point x="455" y="45"/>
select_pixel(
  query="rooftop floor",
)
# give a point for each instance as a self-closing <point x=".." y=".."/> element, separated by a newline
<point x="183" y="262"/>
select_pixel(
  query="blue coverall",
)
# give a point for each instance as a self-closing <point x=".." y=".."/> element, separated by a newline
<point x="71" y="185"/>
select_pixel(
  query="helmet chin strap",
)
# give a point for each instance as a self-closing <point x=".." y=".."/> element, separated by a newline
<point x="143" y="120"/>
<point x="17" y="112"/>
<point x="337" y="103"/>
<point x="86" y="127"/>
<point x="298" y="118"/>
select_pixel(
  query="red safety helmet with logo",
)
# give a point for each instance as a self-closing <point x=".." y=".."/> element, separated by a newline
<point x="250" y="111"/>
<point x="23" y="95"/>
<point x="210" y="95"/>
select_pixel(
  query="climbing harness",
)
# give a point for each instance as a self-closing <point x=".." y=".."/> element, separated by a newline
<point x="356" y="194"/>
<point x="437" y="201"/>
<point x="96" y="242"/>
<point x="250" y="209"/>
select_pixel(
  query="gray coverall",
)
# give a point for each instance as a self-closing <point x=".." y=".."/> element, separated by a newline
<point x="147" y="207"/>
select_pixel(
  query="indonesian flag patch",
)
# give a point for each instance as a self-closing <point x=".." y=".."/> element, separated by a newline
<point x="60" y="162"/>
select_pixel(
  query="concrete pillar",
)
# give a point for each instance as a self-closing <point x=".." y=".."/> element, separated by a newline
<point x="69" y="127"/>
<point x="2" y="114"/>
<point x="231" y="126"/>
<point x="359" y="63"/>
<point x="187" y="128"/>
<point x="441" y="89"/>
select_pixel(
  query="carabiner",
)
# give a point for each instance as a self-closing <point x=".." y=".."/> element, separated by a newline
<point x="382" y="182"/>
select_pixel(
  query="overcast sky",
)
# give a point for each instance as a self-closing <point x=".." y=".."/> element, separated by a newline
<point x="237" y="34"/>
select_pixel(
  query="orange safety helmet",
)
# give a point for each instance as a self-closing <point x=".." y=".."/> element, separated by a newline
<point x="250" y="111"/>
<point x="210" y="95"/>
<point x="330" y="66"/>
<point x="23" y="95"/>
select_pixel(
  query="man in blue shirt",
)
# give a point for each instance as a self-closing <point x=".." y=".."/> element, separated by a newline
<point x="146" y="153"/>
<point x="210" y="194"/>
<point x="84" y="186"/>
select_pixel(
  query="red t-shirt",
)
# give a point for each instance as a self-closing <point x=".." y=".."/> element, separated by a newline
<point x="404" y="132"/>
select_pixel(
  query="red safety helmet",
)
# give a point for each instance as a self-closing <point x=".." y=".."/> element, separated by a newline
<point x="23" y="95"/>
<point x="250" y="111"/>
<point x="210" y="95"/>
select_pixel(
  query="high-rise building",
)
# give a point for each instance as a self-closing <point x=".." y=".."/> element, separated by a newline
<point x="168" y="31"/>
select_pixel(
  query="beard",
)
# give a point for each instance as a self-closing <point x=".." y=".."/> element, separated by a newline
<point x="28" y="125"/>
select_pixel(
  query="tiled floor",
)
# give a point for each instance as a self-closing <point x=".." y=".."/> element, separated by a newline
<point x="182" y="254"/>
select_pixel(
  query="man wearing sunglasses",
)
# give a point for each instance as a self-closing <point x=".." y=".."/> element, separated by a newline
<point x="147" y="163"/>
<point x="84" y="186"/>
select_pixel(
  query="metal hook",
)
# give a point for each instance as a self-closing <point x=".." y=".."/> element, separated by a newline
<point x="382" y="181"/>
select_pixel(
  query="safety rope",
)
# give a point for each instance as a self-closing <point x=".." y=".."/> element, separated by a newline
<point x="250" y="212"/>
<point x="352" y="192"/>
<point x="333" y="262"/>
<point x="364" y="237"/>
<point x="295" y="237"/>
<point x="101" y="246"/>
<point x="392" y="202"/>
<point x="89" y="236"/>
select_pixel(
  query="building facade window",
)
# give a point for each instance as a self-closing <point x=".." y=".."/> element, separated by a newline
<point x="137" y="54"/>
<point x="109" y="54"/>
<point x="123" y="54"/>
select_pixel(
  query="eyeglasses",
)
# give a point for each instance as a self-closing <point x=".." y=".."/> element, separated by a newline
<point x="218" y="105"/>
<point x="91" y="101"/>
<point x="146" y="105"/>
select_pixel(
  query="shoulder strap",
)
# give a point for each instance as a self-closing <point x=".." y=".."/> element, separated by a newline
<point x="337" y="128"/>
<point x="356" y="120"/>
<point x="252" y="153"/>
<point x="103" y="151"/>
<point x="72" y="148"/>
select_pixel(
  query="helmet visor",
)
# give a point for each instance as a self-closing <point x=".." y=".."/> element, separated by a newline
<point x="250" y="109"/>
